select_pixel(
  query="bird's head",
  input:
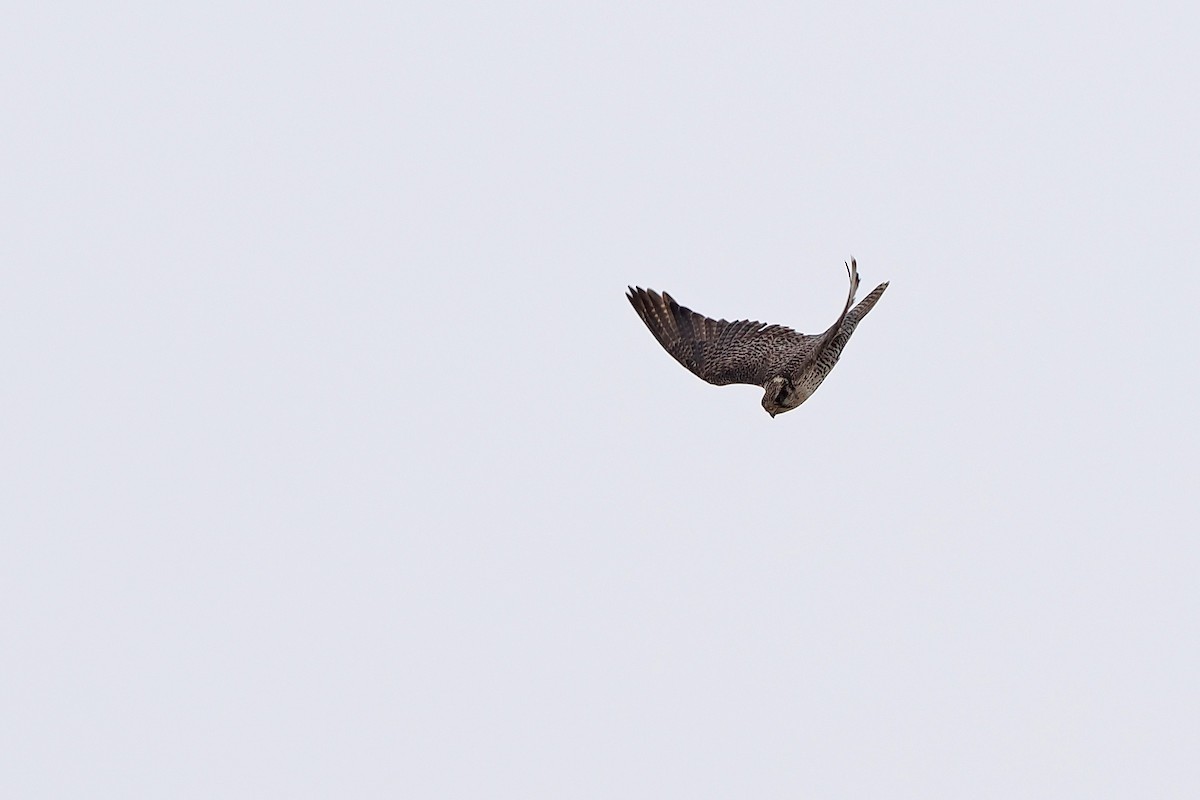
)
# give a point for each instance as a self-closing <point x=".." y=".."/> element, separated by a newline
<point x="780" y="395"/>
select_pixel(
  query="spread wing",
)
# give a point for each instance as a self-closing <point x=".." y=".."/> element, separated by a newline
<point x="718" y="351"/>
<point x="826" y="339"/>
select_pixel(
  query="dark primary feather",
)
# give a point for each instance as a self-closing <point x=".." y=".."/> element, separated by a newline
<point x="719" y="351"/>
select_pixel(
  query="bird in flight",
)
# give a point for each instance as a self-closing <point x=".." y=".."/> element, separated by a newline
<point x="789" y="366"/>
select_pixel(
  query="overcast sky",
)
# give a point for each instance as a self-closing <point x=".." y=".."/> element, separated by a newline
<point x="337" y="465"/>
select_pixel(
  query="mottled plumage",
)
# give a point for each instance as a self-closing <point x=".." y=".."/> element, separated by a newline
<point x="789" y="366"/>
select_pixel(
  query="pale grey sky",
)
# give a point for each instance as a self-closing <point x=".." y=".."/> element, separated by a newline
<point x="337" y="465"/>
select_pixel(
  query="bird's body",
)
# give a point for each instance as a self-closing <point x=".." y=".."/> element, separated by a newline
<point x="789" y="366"/>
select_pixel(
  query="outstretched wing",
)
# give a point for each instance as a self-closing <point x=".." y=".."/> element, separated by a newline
<point x="718" y="351"/>
<point x="826" y="339"/>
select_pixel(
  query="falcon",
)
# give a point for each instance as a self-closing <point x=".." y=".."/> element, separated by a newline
<point x="789" y="366"/>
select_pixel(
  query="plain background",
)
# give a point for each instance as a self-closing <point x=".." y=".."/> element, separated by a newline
<point x="336" y="464"/>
